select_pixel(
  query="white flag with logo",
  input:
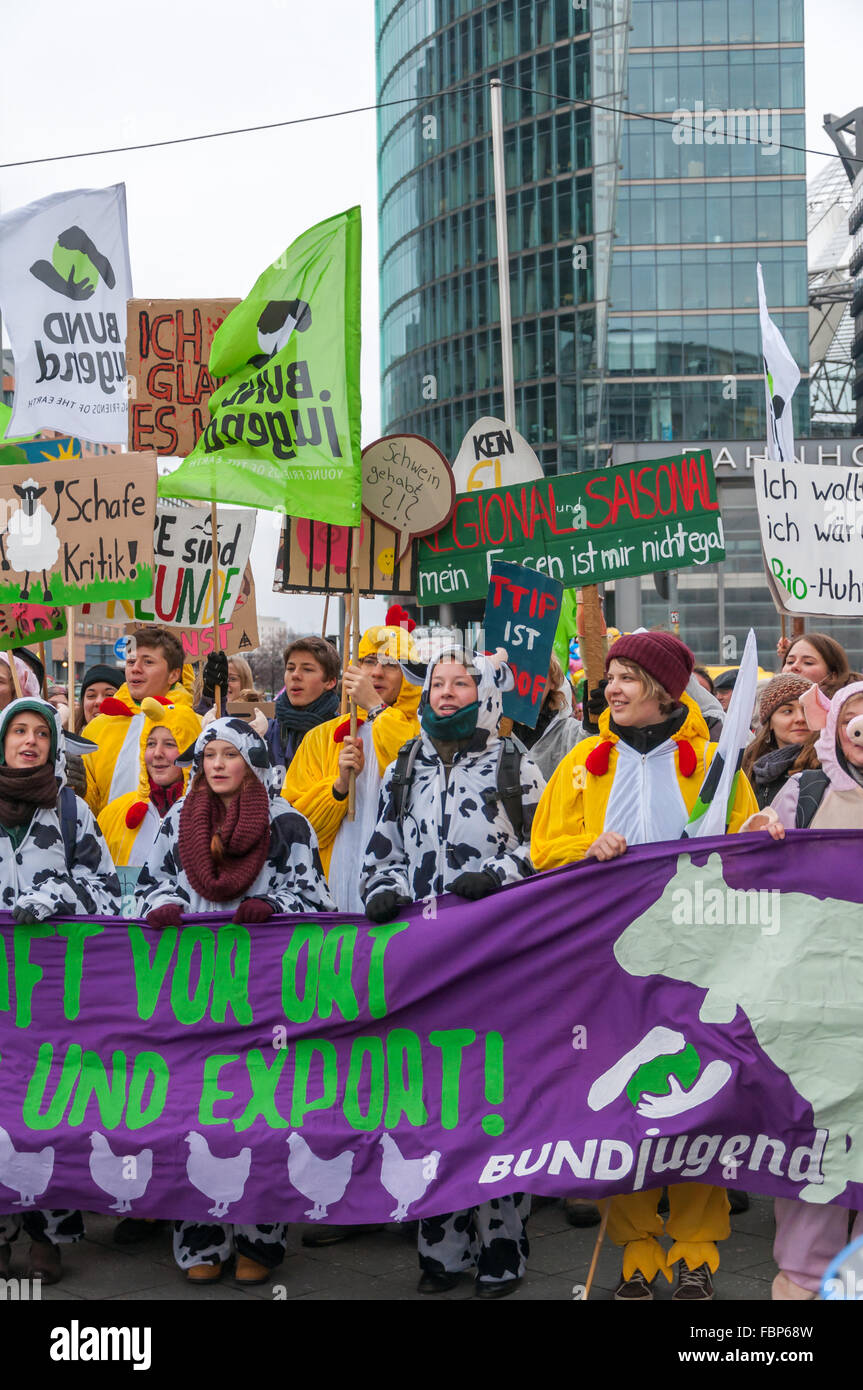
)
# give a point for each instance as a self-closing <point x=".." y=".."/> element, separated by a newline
<point x="64" y="282"/>
<point x="781" y="375"/>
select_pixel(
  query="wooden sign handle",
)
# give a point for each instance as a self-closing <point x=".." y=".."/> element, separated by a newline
<point x="592" y="643"/>
<point x="217" y="645"/>
<point x="355" y="654"/>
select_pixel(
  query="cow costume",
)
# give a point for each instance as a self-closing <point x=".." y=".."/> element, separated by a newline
<point x="448" y="826"/>
<point x="53" y="863"/>
<point x="274" y="867"/>
<point x="450" y="832"/>
<point x="290" y="878"/>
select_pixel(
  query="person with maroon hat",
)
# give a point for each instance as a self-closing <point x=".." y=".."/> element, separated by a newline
<point x="636" y="783"/>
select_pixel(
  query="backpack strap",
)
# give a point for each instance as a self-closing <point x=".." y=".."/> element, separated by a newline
<point x="813" y="784"/>
<point x="509" y="789"/>
<point x="403" y="771"/>
<point x="68" y="822"/>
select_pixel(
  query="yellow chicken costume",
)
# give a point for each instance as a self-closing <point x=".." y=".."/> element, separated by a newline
<point x="130" y="823"/>
<point x="570" y="816"/>
<point x="308" y="784"/>
<point x="113" y="769"/>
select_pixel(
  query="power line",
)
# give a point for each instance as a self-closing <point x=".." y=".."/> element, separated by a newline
<point x="380" y="106"/>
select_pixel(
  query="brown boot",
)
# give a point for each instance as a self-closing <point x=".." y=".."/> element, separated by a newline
<point x="205" y="1274"/>
<point x="250" y="1271"/>
<point x="45" y="1262"/>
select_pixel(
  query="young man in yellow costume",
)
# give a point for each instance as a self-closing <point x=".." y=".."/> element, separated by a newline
<point x="634" y="784"/>
<point x="316" y="783"/>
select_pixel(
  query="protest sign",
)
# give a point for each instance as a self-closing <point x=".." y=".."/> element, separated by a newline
<point x="75" y="531"/>
<point x="66" y="250"/>
<point x="42" y="450"/>
<point x="580" y="528"/>
<point x="407" y="485"/>
<point x="25" y="624"/>
<point x="285" y="426"/>
<point x="182" y="594"/>
<point x="811" y="522"/>
<point x="322" y="1065"/>
<point x="493" y="454"/>
<point x="238" y="634"/>
<point x="168" y="345"/>
<point x="315" y="558"/>
<point x="521" y="615"/>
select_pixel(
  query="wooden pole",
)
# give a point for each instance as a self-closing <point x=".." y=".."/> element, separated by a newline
<point x="782" y="625"/>
<point x="326" y="615"/>
<point x="217" y="644"/>
<point x="13" y="671"/>
<point x="44" y="670"/>
<point x="600" y="1237"/>
<point x="592" y="642"/>
<point x="70" y="659"/>
<point x="346" y="656"/>
<point x="355" y="653"/>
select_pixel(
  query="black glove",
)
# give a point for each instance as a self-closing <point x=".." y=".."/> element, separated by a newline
<point x="384" y="906"/>
<point x="27" y="915"/>
<point x="593" y="708"/>
<point x="215" y="674"/>
<point x="475" y="886"/>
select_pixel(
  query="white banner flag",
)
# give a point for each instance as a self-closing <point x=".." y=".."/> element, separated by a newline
<point x="781" y="375"/>
<point x="64" y="282"/>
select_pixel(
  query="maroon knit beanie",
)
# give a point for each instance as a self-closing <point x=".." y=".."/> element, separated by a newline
<point x="782" y="690"/>
<point x="663" y="656"/>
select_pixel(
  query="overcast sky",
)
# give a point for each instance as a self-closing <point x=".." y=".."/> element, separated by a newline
<point x="206" y="218"/>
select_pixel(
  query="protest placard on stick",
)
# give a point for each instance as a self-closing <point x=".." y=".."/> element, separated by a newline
<point x="811" y="522"/>
<point x="521" y="614"/>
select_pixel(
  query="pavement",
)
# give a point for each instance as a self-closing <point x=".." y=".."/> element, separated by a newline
<point x="382" y="1266"/>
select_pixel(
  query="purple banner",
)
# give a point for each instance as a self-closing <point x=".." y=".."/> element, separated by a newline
<point x="671" y="1016"/>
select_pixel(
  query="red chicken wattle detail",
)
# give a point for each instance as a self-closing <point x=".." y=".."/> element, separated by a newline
<point x="596" y="761"/>
<point x="686" y="758"/>
<point x="111" y="705"/>
<point x="135" y="814"/>
<point x="343" y="728"/>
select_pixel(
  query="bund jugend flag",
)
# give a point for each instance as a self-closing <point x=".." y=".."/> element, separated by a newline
<point x="64" y="282"/>
<point x="284" y="432"/>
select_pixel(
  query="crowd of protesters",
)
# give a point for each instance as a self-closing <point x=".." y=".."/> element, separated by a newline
<point x="248" y="814"/>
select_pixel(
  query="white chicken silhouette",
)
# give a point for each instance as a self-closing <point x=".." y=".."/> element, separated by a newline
<point x="406" y="1179"/>
<point x="322" y="1180"/>
<point x="222" y="1179"/>
<point x="112" y="1172"/>
<point x="28" y="1174"/>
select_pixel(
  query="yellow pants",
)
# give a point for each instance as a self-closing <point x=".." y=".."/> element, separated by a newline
<point x="697" y="1218"/>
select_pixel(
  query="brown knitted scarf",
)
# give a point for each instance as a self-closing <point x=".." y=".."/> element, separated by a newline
<point x="23" y="789"/>
<point x="243" y="828"/>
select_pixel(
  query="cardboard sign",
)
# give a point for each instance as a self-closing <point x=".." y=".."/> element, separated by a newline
<point x="239" y="634"/>
<point x="580" y="528"/>
<point x="25" y="624"/>
<point x="315" y="558"/>
<point x="247" y="709"/>
<point x="493" y="454"/>
<point x="811" y="521"/>
<point x="76" y="531"/>
<point x="407" y="485"/>
<point x="167" y="351"/>
<point x="42" y="450"/>
<point x="182" y="594"/>
<point x="521" y="615"/>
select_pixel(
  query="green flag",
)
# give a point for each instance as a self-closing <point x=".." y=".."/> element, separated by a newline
<point x="284" y="432"/>
<point x="5" y="417"/>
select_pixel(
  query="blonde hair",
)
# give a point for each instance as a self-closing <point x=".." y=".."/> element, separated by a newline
<point x="556" y="699"/>
<point x="650" y="688"/>
<point x="241" y="668"/>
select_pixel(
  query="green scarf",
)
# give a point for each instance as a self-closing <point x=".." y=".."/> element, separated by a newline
<point x="451" y="728"/>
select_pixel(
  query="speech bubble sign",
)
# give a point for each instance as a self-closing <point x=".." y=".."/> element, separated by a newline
<point x="408" y="485"/>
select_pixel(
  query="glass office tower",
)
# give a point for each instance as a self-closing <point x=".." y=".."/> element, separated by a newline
<point x="440" y="339"/>
<point x="692" y="217"/>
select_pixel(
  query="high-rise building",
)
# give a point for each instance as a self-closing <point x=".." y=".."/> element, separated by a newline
<point x="440" y="336"/>
<point x="710" y="182"/>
